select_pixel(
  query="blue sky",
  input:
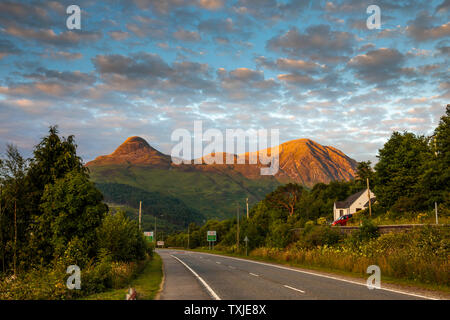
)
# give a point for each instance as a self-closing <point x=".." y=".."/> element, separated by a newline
<point x="312" y="69"/>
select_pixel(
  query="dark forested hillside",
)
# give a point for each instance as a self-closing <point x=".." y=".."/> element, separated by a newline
<point x="174" y="210"/>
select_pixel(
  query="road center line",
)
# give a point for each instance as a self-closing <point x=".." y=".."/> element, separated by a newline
<point x="218" y="262"/>
<point x="254" y="274"/>
<point x="292" y="288"/>
<point x="211" y="291"/>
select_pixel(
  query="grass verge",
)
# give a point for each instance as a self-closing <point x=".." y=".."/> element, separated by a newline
<point x="147" y="284"/>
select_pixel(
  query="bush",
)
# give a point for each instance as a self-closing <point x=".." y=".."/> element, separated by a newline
<point x="121" y="238"/>
<point x="368" y="230"/>
<point x="319" y="236"/>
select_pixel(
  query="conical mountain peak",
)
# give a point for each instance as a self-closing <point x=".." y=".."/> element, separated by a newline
<point x="134" y="150"/>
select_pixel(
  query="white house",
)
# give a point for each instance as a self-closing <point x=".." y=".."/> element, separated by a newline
<point x="353" y="203"/>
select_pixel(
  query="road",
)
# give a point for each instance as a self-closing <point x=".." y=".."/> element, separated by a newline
<point x="201" y="276"/>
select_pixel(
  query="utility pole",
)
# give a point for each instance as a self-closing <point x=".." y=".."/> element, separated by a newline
<point x="15" y="236"/>
<point x="140" y="214"/>
<point x="370" y="202"/>
<point x="155" y="228"/>
<point x="246" y="201"/>
<point x="188" y="236"/>
<point x="435" y="203"/>
<point x="237" y="234"/>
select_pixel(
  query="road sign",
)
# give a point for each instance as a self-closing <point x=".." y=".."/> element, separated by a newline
<point x="160" y="243"/>
<point x="211" y="236"/>
<point x="149" y="234"/>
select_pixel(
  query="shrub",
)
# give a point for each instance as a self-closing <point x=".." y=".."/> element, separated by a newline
<point x="121" y="238"/>
<point x="319" y="236"/>
<point x="368" y="230"/>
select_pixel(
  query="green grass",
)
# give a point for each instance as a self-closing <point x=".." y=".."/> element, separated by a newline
<point x="147" y="284"/>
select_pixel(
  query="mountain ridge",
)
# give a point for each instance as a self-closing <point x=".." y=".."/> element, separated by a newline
<point x="301" y="161"/>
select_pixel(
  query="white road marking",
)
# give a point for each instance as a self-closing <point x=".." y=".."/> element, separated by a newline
<point x="254" y="274"/>
<point x="321" y="275"/>
<point x="211" y="291"/>
<point x="231" y="267"/>
<point x="292" y="288"/>
<point x="218" y="262"/>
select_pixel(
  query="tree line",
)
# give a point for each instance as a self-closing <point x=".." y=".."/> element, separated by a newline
<point x="50" y="212"/>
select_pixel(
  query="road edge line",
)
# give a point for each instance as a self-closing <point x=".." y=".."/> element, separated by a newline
<point x="210" y="291"/>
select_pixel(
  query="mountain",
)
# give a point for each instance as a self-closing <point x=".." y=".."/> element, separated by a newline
<point x="214" y="189"/>
<point x="137" y="151"/>
<point x="307" y="162"/>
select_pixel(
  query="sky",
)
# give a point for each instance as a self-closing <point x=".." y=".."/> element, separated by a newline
<point x="312" y="69"/>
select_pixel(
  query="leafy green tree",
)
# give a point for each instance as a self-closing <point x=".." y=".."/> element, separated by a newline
<point x="435" y="178"/>
<point x="399" y="166"/>
<point x="71" y="207"/>
<point x="364" y="171"/>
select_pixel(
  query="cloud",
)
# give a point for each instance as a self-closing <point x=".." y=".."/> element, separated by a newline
<point x="211" y="4"/>
<point x="7" y="48"/>
<point x="422" y="28"/>
<point x="119" y="35"/>
<point x="186" y="35"/>
<point x="318" y="42"/>
<point x="443" y="7"/>
<point x="33" y="15"/>
<point x="139" y="66"/>
<point x="48" y="36"/>
<point x="270" y="11"/>
<point x="62" y="55"/>
<point x="293" y="65"/>
<point x="378" y="66"/>
<point x="246" y="84"/>
<point x="296" y="78"/>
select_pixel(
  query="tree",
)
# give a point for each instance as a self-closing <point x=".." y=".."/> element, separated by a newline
<point x="71" y="207"/>
<point x="364" y="171"/>
<point x="54" y="157"/>
<point x="286" y="197"/>
<point x="435" y="178"/>
<point x="13" y="217"/>
<point x="399" y="166"/>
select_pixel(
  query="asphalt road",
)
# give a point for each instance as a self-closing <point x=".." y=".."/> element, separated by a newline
<point x="202" y="276"/>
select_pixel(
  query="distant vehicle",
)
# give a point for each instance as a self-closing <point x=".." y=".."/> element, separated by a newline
<point x="342" y="221"/>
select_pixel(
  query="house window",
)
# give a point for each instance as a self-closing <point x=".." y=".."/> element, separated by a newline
<point x="341" y="212"/>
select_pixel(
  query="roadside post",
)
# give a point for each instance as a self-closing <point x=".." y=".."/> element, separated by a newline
<point x="435" y="209"/>
<point x="211" y="237"/>
<point x="246" y="245"/>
